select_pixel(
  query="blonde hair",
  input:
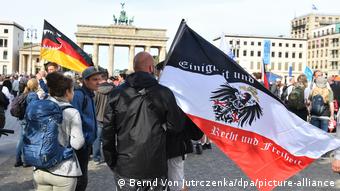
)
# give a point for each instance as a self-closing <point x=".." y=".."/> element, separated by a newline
<point x="32" y="85"/>
<point x="324" y="92"/>
<point x="302" y="79"/>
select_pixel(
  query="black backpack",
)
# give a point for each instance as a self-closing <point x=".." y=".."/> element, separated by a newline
<point x="296" y="98"/>
<point x="318" y="105"/>
<point x="4" y="101"/>
<point x="18" y="106"/>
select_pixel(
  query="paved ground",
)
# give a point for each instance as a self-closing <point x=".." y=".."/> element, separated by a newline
<point x="211" y="165"/>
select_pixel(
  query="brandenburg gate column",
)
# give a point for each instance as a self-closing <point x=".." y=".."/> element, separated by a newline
<point x="95" y="54"/>
<point x="162" y="53"/>
<point x="147" y="49"/>
<point x="24" y="64"/>
<point x="131" y="57"/>
<point x="33" y="67"/>
<point x="29" y="68"/>
<point x="21" y="63"/>
<point x="111" y="59"/>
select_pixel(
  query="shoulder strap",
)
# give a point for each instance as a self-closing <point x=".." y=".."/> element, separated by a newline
<point x="66" y="107"/>
<point x="145" y="92"/>
<point x="85" y="98"/>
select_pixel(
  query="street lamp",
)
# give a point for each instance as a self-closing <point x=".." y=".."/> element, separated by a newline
<point x="30" y="34"/>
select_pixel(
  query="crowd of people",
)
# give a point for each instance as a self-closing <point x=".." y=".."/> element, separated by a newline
<point x="129" y="121"/>
<point x="315" y="102"/>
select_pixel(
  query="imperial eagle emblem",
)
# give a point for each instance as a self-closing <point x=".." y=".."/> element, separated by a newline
<point x="231" y="105"/>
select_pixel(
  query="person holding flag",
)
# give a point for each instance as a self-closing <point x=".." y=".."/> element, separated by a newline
<point x="238" y="114"/>
<point x="137" y="118"/>
<point x="51" y="67"/>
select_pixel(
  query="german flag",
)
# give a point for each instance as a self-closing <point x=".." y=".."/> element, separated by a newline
<point x="56" y="47"/>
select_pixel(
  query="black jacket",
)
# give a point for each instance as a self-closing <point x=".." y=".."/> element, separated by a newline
<point x="179" y="143"/>
<point x="135" y="119"/>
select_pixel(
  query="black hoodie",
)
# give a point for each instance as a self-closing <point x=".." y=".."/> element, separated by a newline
<point x="139" y="113"/>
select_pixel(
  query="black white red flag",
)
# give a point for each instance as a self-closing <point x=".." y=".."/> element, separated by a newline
<point x="242" y="118"/>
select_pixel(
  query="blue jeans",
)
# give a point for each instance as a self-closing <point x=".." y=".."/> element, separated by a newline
<point x="96" y="147"/>
<point x="20" y="145"/>
<point x="320" y="123"/>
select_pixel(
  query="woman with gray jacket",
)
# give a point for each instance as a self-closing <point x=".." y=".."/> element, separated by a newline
<point x="64" y="175"/>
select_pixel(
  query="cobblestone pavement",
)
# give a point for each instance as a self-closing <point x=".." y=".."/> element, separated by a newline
<point x="212" y="165"/>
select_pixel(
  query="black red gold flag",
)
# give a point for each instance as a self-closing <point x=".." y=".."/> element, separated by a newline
<point x="58" y="48"/>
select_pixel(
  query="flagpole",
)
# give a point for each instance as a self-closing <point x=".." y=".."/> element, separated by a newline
<point x="31" y="33"/>
<point x="178" y="35"/>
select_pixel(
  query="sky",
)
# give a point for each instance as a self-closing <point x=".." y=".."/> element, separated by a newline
<point x="208" y="18"/>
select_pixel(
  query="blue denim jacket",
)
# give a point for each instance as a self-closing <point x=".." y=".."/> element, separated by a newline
<point x="83" y="102"/>
<point x="31" y="96"/>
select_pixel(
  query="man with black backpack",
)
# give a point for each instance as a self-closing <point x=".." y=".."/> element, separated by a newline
<point x="137" y="117"/>
<point x="297" y="97"/>
<point x="84" y="103"/>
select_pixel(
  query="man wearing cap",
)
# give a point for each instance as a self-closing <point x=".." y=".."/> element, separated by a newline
<point x="83" y="101"/>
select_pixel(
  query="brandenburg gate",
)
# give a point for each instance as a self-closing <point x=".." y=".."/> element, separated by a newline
<point x="122" y="33"/>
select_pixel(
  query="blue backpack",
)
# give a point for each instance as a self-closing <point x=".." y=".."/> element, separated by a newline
<point x="41" y="146"/>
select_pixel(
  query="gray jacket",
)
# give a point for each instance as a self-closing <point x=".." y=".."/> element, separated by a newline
<point x="100" y="99"/>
